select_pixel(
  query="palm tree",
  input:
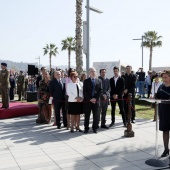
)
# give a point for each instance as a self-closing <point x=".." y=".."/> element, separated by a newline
<point x="79" y="56"/>
<point x="70" y="45"/>
<point x="51" y="50"/>
<point x="151" y="40"/>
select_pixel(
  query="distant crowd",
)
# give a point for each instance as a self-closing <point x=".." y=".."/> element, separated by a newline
<point x="21" y="81"/>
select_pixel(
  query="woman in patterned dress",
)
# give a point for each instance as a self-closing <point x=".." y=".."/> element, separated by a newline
<point x="44" y="115"/>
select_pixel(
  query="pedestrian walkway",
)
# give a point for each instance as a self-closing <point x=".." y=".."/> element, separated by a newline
<point x="25" y="145"/>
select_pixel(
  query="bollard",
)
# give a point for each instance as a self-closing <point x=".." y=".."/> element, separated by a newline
<point x="129" y="132"/>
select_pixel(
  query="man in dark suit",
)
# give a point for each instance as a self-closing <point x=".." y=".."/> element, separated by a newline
<point x="117" y="86"/>
<point x="130" y="81"/>
<point x="57" y="91"/>
<point x="104" y="98"/>
<point x="92" y="90"/>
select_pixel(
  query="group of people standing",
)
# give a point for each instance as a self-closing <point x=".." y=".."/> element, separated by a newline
<point x="72" y="97"/>
<point x="145" y="83"/>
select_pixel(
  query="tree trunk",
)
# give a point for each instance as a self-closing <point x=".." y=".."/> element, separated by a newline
<point x="79" y="56"/>
<point x="50" y="61"/>
<point x="69" y="57"/>
<point x="150" y="59"/>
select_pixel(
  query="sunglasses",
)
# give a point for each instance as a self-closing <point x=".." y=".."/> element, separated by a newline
<point x="75" y="77"/>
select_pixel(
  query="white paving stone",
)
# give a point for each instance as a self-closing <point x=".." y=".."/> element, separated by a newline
<point x="43" y="147"/>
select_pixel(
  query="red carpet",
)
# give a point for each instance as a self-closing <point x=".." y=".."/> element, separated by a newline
<point x="18" y="109"/>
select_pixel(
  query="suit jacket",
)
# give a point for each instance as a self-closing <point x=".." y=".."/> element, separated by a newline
<point x="118" y="89"/>
<point x="88" y="88"/>
<point x="12" y="82"/>
<point x="130" y="81"/>
<point x="72" y="91"/>
<point x="56" y="91"/>
<point x="105" y="87"/>
<point x="39" y="78"/>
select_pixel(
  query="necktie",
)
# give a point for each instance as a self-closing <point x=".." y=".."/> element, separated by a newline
<point x="93" y="83"/>
<point x="60" y="83"/>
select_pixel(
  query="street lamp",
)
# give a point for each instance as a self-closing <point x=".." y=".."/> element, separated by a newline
<point x="142" y="47"/>
<point x="39" y="61"/>
<point x="88" y="8"/>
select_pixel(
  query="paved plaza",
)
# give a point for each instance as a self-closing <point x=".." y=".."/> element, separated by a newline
<point x="25" y="145"/>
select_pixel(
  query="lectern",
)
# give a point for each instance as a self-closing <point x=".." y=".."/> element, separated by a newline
<point x="156" y="162"/>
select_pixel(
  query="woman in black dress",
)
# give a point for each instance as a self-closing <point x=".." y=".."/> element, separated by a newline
<point x="164" y="110"/>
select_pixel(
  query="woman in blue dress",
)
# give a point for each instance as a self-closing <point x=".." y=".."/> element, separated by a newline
<point x="164" y="110"/>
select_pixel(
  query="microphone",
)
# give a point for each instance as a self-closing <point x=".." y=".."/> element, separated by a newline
<point x="165" y="92"/>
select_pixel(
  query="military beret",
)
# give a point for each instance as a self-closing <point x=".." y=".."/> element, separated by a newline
<point x="21" y="71"/>
<point x="4" y="64"/>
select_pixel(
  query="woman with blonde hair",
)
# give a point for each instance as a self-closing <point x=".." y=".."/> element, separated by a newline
<point x="83" y="77"/>
<point x="44" y="115"/>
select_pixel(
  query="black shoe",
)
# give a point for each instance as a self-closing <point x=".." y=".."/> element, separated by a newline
<point x="104" y="126"/>
<point x="112" y="124"/>
<point x="86" y="131"/>
<point x="72" y="130"/>
<point x="78" y="129"/>
<point x="5" y="107"/>
<point x="133" y="121"/>
<point x="165" y="153"/>
<point x="58" y="127"/>
<point x="95" y="131"/>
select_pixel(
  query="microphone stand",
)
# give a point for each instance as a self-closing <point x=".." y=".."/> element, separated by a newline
<point x="165" y="92"/>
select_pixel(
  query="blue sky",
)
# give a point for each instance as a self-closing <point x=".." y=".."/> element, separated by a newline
<point x="27" y="25"/>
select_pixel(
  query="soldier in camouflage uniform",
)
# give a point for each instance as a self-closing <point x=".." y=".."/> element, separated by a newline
<point x="4" y="85"/>
<point x="20" y="86"/>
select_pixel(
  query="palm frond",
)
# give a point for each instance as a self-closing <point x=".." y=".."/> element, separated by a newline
<point x="151" y="39"/>
<point x="146" y="44"/>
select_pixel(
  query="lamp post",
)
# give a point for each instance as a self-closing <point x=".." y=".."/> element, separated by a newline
<point x="39" y="61"/>
<point x="88" y="8"/>
<point x="142" y="47"/>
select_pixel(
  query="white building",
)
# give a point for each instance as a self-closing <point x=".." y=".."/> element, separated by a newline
<point x="108" y="66"/>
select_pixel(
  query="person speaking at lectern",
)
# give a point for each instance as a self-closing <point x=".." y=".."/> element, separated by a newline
<point x="164" y="108"/>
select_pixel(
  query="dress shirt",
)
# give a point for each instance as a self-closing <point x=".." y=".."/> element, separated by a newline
<point x="115" y="79"/>
<point x="148" y="80"/>
<point x="60" y="82"/>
